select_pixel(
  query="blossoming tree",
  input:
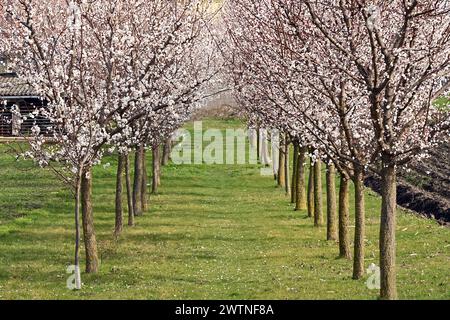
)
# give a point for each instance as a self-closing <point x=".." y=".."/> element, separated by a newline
<point x="103" y="66"/>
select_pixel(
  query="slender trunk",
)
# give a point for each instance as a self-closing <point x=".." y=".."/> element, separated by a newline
<point x="287" y="186"/>
<point x="358" y="259"/>
<point x="129" y="191"/>
<point x="119" y="190"/>
<point x="274" y="145"/>
<point x="300" y="201"/>
<point x="387" y="231"/>
<point x="281" y="170"/>
<point x="318" y="208"/>
<point x="90" y="242"/>
<point x="166" y="152"/>
<point x="311" y="189"/>
<point x="294" y="174"/>
<point x="331" y="203"/>
<point x="155" y="172"/>
<point x="258" y="145"/>
<point x="344" y="217"/>
<point x="77" y="234"/>
<point x="137" y="184"/>
<point x="159" y="166"/>
<point x="144" y="197"/>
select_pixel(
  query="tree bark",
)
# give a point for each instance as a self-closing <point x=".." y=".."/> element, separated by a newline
<point x="287" y="186"/>
<point x="119" y="190"/>
<point x="331" y="203"/>
<point x="344" y="217"/>
<point x="137" y="184"/>
<point x="300" y="201"/>
<point x="77" y="233"/>
<point x="311" y="189"/>
<point x="144" y="197"/>
<point x="387" y="231"/>
<point x="167" y="149"/>
<point x="90" y="242"/>
<point x="258" y="145"/>
<point x="281" y="162"/>
<point x="274" y="136"/>
<point x="129" y="191"/>
<point x="318" y="208"/>
<point x="159" y="166"/>
<point x="358" y="259"/>
<point x="294" y="174"/>
<point x="155" y="172"/>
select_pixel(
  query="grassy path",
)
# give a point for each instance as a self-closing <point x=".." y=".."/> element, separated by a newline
<point x="213" y="232"/>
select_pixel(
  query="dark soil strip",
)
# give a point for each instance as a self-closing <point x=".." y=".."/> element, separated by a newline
<point x="418" y="200"/>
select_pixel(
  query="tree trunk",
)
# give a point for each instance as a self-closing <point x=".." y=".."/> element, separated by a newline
<point x="144" y="197"/>
<point x="119" y="190"/>
<point x="77" y="234"/>
<point x="331" y="203"/>
<point x="287" y="186"/>
<point x="137" y="184"/>
<point x="159" y="166"/>
<point x="358" y="259"/>
<point x="258" y="145"/>
<point x="318" y="210"/>
<point x="387" y="231"/>
<point x="294" y="174"/>
<point x="155" y="172"/>
<point x="281" y="162"/>
<point x="90" y="242"/>
<point x="300" y="201"/>
<point x="275" y="137"/>
<point x="311" y="189"/>
<point x="129" y="191"/>
<point x="167" y="149"/>
<point x="344" y="217"/>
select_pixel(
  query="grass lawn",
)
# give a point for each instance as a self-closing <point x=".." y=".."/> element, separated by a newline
<point x="213" y="232"/>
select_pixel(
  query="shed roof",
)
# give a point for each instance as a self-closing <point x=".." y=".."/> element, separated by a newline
<point x="12" y="86"/>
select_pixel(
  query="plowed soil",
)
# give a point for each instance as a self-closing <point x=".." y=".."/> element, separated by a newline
<point x="425" y="186"/>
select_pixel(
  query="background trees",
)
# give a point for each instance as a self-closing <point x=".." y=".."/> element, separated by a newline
<point x="358" y="80"/>
<point x="111" y="72"/>
<point x="398" y="53"/>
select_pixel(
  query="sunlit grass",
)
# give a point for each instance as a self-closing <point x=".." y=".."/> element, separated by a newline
<point x="443" y="103"/>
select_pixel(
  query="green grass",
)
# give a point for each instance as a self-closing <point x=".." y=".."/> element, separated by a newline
<point x="213" y="232"/>
<point x="443" y="103"/>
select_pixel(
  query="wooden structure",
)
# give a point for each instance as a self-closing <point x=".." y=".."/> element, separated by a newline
<point x="15" y="94"/>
